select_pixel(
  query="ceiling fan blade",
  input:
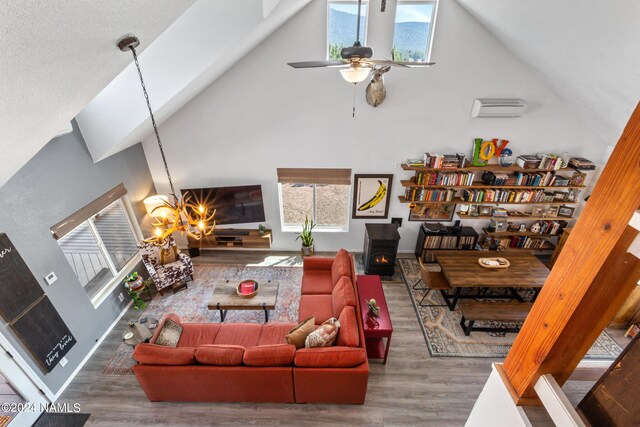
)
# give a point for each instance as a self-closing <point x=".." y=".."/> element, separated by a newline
<point x="316" y="64"/>
<point x="385" y="62"/>
<point x="415" y="64"/>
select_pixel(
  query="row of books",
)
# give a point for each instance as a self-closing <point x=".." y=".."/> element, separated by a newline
<point x="541" y="161"/>
<point x="505" y="196"/>
<point x="416" y="194"/>
<point x="540" y="179"/>
<point x="444" y="161"/>
<point x="444" y="178"/>
<point x="550" y="227"/>
<point x="520" y="242"/>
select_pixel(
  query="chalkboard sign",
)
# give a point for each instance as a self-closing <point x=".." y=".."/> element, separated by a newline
<point x="18" y="287"/>
<point x="44" y="333"/>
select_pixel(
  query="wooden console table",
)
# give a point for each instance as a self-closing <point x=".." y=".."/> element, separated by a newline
<point x="376" y="329"/>
<point x="233" y="238"/>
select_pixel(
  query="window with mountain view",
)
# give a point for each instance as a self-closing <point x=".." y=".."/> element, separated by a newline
<point x="342" y="21"/>
<point x="413" y="30"/>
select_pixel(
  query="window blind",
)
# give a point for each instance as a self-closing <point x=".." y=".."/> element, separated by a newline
<point x="75" y="219"/>
<point x="314" y="176"/>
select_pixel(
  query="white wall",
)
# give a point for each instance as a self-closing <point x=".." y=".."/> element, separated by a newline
<point x="262" y="115"/>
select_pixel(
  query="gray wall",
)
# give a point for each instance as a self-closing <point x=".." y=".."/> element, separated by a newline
<point x="59" y="180"/>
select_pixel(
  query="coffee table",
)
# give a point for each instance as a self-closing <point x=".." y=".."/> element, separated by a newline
<point x="141" y="332"/>
<point x="225" y="298"/>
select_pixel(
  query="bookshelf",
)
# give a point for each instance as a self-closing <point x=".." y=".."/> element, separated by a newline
<point x="436" y="237"/>
<point x="522" y="195"/>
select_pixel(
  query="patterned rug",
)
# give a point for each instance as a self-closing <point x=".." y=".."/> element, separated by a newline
<point x="444" y="336"/>
<point x="191" y="303"/>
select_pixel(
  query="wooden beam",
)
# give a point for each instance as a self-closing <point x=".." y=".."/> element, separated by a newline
<point x="565" y="321"/>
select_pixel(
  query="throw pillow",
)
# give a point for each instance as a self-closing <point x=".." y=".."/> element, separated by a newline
<point x="299" y="334"/>
<point x="325" y="335"/>
<point x="167" y="256"/>
<point x="169" y="334"/>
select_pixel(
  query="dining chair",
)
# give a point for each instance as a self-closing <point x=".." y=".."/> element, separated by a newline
<point x="433" y="280"/>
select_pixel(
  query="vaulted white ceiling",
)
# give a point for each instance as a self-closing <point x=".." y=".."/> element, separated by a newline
<point x="56" y="56"/>
<point x="588" y="51"/>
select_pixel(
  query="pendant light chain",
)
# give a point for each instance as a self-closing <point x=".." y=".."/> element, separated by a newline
<point x="155" y="126"/>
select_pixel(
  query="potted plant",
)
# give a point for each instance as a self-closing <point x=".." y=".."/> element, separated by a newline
<point x="261" y="229"/>
<point x="134" y="282"/>
<point x="306" y="238"/>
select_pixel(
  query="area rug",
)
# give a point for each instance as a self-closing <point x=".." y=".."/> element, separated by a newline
<point x="61" y="420"/>
<point x="444" y="336"/>
<point x="191" y="303"/>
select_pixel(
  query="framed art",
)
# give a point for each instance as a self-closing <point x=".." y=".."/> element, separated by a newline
<point x="431" y="213"/>
<point x="537" y="211"/>
<point x="484" y="210"/>
<point x="371" y="196"/>
<point x="553" y="211"/>
<point x="566" y="211"/>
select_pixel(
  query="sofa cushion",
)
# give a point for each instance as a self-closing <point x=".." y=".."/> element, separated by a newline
<point x="195" y="334"/>
<point x="329" y="357"/>
<point x="341" y="266"/>
<point x="220" y="355"/>
<point x="270" y="355"/>
<point x="348" y="333"/>
<point x="171" y="316"/>
<point x="325" y="335"/>
<point x="342" y="296"/>
<point x="316" y="282"/>
<point x="318" y="306"/>
<point x="275" y="333"/>
<point x="169" y="334"/>
<point x="244" y="334"/>
<point x="153" y="354"/>
<point x="299" y="333"/>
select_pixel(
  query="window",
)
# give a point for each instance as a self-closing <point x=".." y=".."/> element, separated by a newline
<point x="341" y="29"/>
<point x="320" y="194"/>
<point x="99" y="243"/>
<point x="413" y="32"/>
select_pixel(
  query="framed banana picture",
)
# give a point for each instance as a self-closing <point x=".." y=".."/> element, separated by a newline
<point x="371" y="196"/>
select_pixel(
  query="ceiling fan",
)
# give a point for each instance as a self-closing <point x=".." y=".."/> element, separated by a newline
<point x="358" y="59"/>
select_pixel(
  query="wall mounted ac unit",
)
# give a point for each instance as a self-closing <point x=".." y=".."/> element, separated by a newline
<point x="498" y="107"/>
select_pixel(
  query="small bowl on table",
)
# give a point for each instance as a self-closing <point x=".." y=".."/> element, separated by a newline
<point x="245" y="294"/>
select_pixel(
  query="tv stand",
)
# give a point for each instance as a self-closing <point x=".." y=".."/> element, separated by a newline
<point x="231" y="238"/>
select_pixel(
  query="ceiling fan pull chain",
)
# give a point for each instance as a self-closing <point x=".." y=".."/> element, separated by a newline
<point x="353" y="112"/>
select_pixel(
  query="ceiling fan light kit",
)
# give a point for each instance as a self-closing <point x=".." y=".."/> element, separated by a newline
<point x="355" y="74"/>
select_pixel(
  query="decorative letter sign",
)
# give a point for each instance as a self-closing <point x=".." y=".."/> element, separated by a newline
<point x="483" y="151"/>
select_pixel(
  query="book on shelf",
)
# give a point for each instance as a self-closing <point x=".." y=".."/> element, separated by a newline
<point x="550" y="161"/>
<point x="581" y="163"/>
<point x="528" y="161"/>
<point x="444" y="178"/>
<point x="444" y="161"/>
<point x="418" y="194"/>
<point x="414" y="162"/>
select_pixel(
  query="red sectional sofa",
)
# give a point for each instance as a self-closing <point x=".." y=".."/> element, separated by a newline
<point x="248" y="362"/>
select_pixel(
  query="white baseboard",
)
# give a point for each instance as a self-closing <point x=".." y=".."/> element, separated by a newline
<point x="93" y="349"/>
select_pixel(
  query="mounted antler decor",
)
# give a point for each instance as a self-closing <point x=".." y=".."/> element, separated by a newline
<point x="181" y="215"/>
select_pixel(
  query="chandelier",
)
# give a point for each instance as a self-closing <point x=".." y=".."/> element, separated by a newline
<point x="180" y="214"/>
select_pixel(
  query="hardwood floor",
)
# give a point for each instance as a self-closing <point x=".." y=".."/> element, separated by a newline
<point x="411" y="389"/>
<point x="7" y="395"/>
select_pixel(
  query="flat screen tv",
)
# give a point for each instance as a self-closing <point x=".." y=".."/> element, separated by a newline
<point x="234" y="205"/>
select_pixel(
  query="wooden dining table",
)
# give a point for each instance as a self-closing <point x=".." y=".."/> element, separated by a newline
<point x="462" y="270"/>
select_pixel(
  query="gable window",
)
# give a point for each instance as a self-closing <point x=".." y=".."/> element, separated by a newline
<point x="342" y="18"/>
<point x="321" y="194"/>
<point x="100" y="243"/>
<point x="413" y="31"/>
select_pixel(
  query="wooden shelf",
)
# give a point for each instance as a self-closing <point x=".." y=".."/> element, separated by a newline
<point x="512" y="168"/>
<point x="233" y="239"/>
<point x="457" y="200"/>
<point x="409" y="183"/>
<point x="517" y="233"/>
<point x="515" y="218"/>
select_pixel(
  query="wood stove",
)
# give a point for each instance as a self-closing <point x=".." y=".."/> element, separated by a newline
<point x="380" y="249"/>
